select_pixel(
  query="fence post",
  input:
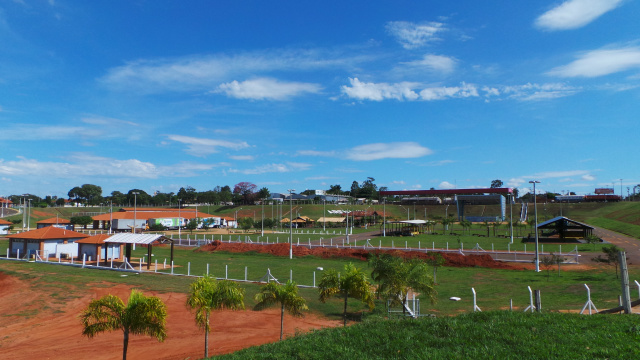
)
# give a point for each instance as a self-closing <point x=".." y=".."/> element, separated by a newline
<point x="291" y="274"/>
<point x="84" y="259"/>
<point x="226" y="272"/>
<point x="207" y="269"/>
<point x="171" y="267"/>
<point x="314" y="280"/>
<point x="189" y="268"/>
<point x="156" y="268"/>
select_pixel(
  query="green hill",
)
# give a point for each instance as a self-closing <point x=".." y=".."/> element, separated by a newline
<point x="492" y="335"/>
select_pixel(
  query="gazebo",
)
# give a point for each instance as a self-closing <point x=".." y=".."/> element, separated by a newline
<point x="139" y="239"/>
<point x="566" y="228"/>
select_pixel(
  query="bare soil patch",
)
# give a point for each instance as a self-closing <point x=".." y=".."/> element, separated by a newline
<point x="282" y="249"/>
<point x="31" y="327"/>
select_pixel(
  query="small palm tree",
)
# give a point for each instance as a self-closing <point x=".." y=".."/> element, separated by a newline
<point x="142" y="315"/>
<point x="284" y="294"/>
<point x="206" y="294"/>
<point x="352" y="283"/>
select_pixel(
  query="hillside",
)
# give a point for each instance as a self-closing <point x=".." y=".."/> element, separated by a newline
<point x="492" y="335"/>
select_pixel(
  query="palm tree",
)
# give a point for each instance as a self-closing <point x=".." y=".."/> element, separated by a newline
<point x="398" y="276"/>
<point x="142" y="315"/>
<point x="352" y="283"/>
<point x="284" y="294"/>
<point x="206" y="294"/>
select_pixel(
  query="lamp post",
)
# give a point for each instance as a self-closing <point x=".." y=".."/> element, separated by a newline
<point x="110" y="215"/>
<point x="535" y="211"/>
<point x="511" y="216"/>
<point x="262" y="224"/>
<point x="384" y="217"/>
<point x="324" y="213"/>
<point x="179" y="219"/>
<point x="135" y="204"/>
<point x="291" y="223"/>
<point x="29" y="214"/>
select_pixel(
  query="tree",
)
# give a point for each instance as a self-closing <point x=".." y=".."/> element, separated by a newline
<point x="187" y="195"/>
<point x="87" y="193"/>
<point x="284" y="294"/>
<point x="610" y="256"/>
<point x="263" y="194"/>
<point x="593" y="240"/>
<point x="246" y="190"/>
<point x="142" y="315"/>
<point x="206" y="294"/>
<point x="81" y="220"/>
<point x="245" y="223"/>
<point x="435" y="260"/>
<point x="496" y="184"/>
<point x="351" y="283"/>
<point x="192" y="225"/>
<point x="335" y="190"/>
<point x="355" y="189"/>
<point x="397" y="277"/>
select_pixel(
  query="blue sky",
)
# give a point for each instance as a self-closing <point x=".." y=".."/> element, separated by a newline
<point x="159" y="95"/>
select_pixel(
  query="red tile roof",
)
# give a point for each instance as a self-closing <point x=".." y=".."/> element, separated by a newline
<point x="95" y="239"/>
<point x="54" y="221"/>
<point x="47" y="233"/>
<point x="5" y="222"/>
<point x="152" y="215"/>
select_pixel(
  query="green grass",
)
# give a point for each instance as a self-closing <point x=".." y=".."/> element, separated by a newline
<point x="494" y="287"/>
<point x="495" y="335"/>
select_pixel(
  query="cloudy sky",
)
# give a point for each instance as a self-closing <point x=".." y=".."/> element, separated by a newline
<point x="162" y="94"/>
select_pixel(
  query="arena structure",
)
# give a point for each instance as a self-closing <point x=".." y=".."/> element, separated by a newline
<point x="462" y="197"/>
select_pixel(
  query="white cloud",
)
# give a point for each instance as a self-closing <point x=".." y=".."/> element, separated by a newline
<point x="273" y="168"/>
<point x="573" y="14"/>
<point x="530" y="92"/>
<point x="380" y="91"/>
<point x="202" y="147"/>
<point x="436" y="63"/>
<point x="317" y="153"/>
<point x="378" y="151"/>
<point x="600" y="62"/>
<point x="79" y="166"/>
<point x="446" y="185"/>
<point x="412" y="35"/>
<point x="201" y="72"/>
<point x="241" y="157"/>
<point x="266" y="89"/>
<point x="106" y="121"/>
<point x="444" y="92"/>
<point x="588" y="177"/>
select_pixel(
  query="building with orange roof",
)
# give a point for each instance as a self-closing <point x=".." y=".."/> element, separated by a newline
<point x="56" y="222"/>
<point x="44" y="241"/>
<point x="5" y="226"/>
<point x="104" y="221"/>
<point x="94" y="245"/>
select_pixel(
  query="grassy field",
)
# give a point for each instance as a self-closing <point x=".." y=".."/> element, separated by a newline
<point x="495" y="288"/>
<point x="495" y="335"/>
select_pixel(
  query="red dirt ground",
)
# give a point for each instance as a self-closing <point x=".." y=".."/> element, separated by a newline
<point x="55" y="332"/>
<point x="282" y="249"/>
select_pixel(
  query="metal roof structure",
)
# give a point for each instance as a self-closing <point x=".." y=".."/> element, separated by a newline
<point x="569" y="221"/>
<point x="139" y="239"/>
<point x="502" y="191"/>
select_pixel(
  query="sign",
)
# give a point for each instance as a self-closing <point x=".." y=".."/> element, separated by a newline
<point x="604" y="191"/>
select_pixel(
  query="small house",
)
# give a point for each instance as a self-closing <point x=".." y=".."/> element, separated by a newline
<point x="94" y="245"/>
<point x="44" y="242"/>
<point x="55" y="222"/>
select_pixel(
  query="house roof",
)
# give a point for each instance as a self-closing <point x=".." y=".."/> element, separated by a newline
<point x="95" y="239"/>
<point x="54" y="220"/>
<point x="5" y="222"/>
<point x="4" y="200"/>
<point x="47" y="233"/>
<point x="332" y="219"/>
<point x="562" y="218"/>
<point x="141" y="239"/>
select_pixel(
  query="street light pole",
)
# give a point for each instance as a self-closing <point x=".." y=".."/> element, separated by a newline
<point x="511" y="216"/>
<point x="179" y="220"/>
<point x="384" y="217"/>
<point x="324" y="214"/>
<point x="535" y="211"/>
<point x="29" y="215"/>
<point x="291" y="223"/>
<point x="135" y="203"/>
